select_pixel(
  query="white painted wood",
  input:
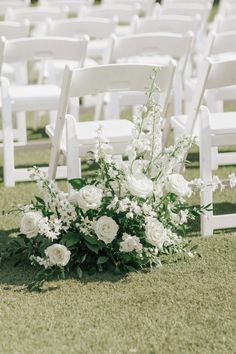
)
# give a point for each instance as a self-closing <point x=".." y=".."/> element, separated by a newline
<point x="153" y="48"/>
<point x="113" y="78"/>
<point x="21" y="97"/>
<point x="208" y="139"/>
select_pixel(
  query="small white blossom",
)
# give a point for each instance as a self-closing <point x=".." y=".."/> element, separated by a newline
<point x="130" y="244"/>
<point x="232" y="180"/>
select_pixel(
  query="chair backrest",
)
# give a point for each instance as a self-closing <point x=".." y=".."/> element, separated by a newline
<point x="71" y="5"/>
<point x="41" y="49"/>
<point x="221" y="44"/>
<point x="145" y="6"/>
<point x="151" y="44"/>
<point x="4" y="5"/>
<point x="166" y="23"/>
<point x="224" y="24"/>
<point x="196" y="2"/>
<point x="96" y="28"/>
<point x="122" y="13"/>
<point x="114" y="78"/>
<point x="184" y="10"/>
<point x="44" y="48"/>
<point x="13" y="30"/>
<point x="214" y="74"/>
<point x="228" y="10"/>
<point x="105" y="78"/>
<point x="35" y="15"/>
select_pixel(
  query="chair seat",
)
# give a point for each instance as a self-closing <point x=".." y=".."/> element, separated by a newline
<point x="116" y="131"/>
<point x="34" y="97"/>
<point x="220" y="123"/>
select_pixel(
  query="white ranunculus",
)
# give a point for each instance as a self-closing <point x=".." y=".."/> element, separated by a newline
<point x="58" y="254"/>
<point x="29" y="225"/>
<point x="155" y="232"/>
<point x="88" y="197"/>
<point x="139" y="185"/>
<point x="130" y="243"/>
<point x="177" y="184"/>
<point x="106" y="229"/>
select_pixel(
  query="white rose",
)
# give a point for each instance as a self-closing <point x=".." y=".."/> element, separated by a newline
<point x="177" y="184"/>
<point x="139" y="185"/>
<point x="88" y="197"/>
<point x="130" y="243"/>
<point x="106" y="229"/>
<point x="155" y="232"/>
<point x="29" y="225"/>
<point x="58" y="254"/>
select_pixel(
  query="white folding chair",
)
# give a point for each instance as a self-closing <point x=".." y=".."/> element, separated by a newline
<point x="215" y="132"/>
<point x="71" y="5"/>
<point x="207" y="82"/>
<point x="12" y="30"/>
<point x="221" y="46"/>
<point x="154" y="48"/>
<point x="166" y="23"/>
<point x="194" y="2"/>
<point x="36" y="16"/>
<point x="145" y="6"/>
<point x="123" y="14"/>
<point x="224" y="24"/>
<point x="227" y="9"/>
<point x="5" y="4"/>
<point x="114" y="78"/>
<point x="186" y="9"/>
<point x="23" y="97"/>
<point x="98" y="30"/>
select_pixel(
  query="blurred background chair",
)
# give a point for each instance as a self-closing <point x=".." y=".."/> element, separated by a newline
<point x="24" y="96"/>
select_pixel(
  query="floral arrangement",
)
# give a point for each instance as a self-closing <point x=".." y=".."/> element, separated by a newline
<point x="127" y="218"/>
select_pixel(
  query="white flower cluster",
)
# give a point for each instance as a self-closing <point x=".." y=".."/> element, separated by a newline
<point x="130" y="243"/>
<point x="56" y="200"/>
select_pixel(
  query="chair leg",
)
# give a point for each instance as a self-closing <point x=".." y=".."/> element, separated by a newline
<point x="72" y="148"/>
<point x="99" y="107"/>
<point x="112" y="108"/>
<point x="8" y="145"/>
<point x="214" y="158"/>
<point x="21" y="127"/>
<point x="206" y="174"/>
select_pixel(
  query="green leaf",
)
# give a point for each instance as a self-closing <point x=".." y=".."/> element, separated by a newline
<point x="82" y="258"/>
<point x="71" y="239"/>
<point x="130" y="268"/>
<point x="93" y="248"/>
<point x="79" y="272"/>
<point x="40" y="200"/>
<point x="77" y="183"/>
<point x="194" y="248"/>
<point x="90" y="239"/>
<point x="102" y="260"/>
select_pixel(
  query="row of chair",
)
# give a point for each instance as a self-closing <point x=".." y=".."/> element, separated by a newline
<point x="213" y="76"/>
